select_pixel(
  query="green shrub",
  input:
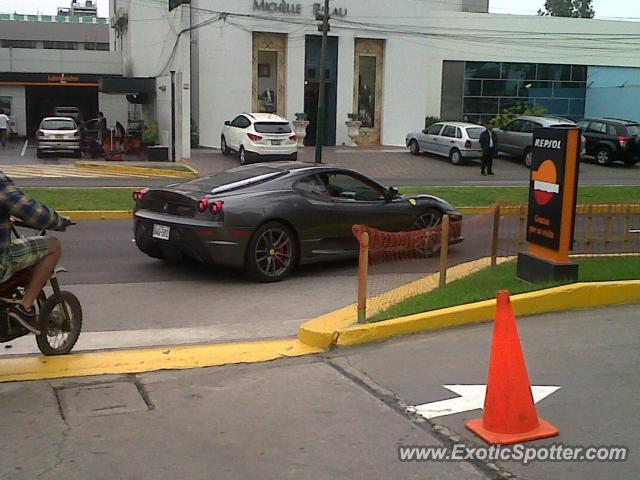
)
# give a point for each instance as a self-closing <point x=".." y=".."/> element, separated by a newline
<point x="428" y="121"/>
<point x="150" y="135"/>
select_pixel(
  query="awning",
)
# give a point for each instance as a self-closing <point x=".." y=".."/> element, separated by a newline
<point x="127" y="85"/>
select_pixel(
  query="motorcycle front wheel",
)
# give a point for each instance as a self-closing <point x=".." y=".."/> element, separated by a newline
<point x="57" y="334"/>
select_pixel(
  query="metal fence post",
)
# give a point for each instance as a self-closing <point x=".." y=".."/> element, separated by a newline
<point x="496" y="235"/>
<point x="444" y="250"/>
<point x="363" y="271"/>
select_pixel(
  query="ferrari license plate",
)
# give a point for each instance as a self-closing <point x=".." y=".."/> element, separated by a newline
<point x="161" y="231"/>
<point x="276" y="142"/>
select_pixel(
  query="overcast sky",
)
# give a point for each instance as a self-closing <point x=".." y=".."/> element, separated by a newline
<point x="604" y="8"/>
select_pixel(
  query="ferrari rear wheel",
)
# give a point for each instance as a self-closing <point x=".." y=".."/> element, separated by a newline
<point x="272" y="253"/>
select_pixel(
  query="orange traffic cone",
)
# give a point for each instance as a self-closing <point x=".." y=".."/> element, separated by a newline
<point x="510" y="414"/>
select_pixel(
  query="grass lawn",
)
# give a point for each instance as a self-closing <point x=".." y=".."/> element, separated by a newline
<point x="83" y="198"/>
<point x="484" y="285"/>
<point x="485" y="196"/>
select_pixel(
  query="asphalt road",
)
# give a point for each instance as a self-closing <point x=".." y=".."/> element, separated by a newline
<point x="391" y="166"/>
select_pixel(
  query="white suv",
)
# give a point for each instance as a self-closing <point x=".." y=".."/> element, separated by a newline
<point x="259" y="137"/>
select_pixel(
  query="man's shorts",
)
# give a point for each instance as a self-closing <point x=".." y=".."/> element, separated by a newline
<point x="21" y="254"/>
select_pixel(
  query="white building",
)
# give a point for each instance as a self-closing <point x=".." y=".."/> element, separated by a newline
<point x="392" y="63"/>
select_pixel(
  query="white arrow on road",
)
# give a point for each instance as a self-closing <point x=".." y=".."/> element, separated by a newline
<point x="471" y="398"/>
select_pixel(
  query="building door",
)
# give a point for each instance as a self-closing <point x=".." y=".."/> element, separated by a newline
<point x="367" y="89"/>
<point x="313" y="44"/>
<point x="269" y="72"/>
<point x="41" y="100"/>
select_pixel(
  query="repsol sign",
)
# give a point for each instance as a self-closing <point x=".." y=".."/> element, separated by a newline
<point x="278" y="7"/>
<point x="548" y="143"/>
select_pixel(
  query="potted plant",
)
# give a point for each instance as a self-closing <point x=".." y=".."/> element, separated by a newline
<point x="353" y="128"/>
<point x="155" y="153"/>
<point x="300" y="125"/>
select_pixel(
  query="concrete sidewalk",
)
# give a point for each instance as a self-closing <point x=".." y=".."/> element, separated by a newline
<point x="340" y="415"/>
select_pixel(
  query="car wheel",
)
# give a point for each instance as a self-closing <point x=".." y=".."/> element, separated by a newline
<point x="242" y="155"/>
<point x="294" y="157"/>
<point x="272" y="253"/>
<point x="604" y="156"/>
<point x="528" y="157"/>
<point x="414" y="148"/>
<point x="455" y="156"/>
<point x="39" y="153"/>
<point x="77" y="154"/>
<point x="428" y="219"/>
<point x="223" y="146"/>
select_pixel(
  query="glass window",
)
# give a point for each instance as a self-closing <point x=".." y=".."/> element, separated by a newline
<point x="434" y="129"/>
<point x="536" y="89"/>
<point x="583" y="124"/>
<point x="514" y="126"/>
<point x="104" y="47"/>
<point x="5" y="105"/>
<point x="312" y="184"/>
<point x="18" y="44"/>
<point x="576" y="107"/>
<point x="500" y="88"/>
<point x="348" y="187"/>
<point x="473" y="88"/>
<point x="58" y="124"/>
<point x="240" y="122"/>
<point x="554" y="72"/>
<point x="480" y="105"/>
<point x="458" y="133"/>
<point x="633" y="130"/>
<point x="272" y="127"/>
<point x="597" y="127"/>
<point x="519" y="71"/>
<point x="367" y="91"/>
<point x="528" y="126"/>
<point x="449" y="131"/>
<point x="267" y="81"/>
<point x="482" y="70"/>
<point x="553" y="106"/>
<point x="569" y="89"/>
<point x="579" y="73"/>
<point x="474" y="132"/>
<point x="509" y="102"/>
<point x="60" y="45"/>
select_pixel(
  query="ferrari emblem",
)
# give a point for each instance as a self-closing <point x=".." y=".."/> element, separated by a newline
<point x="413" y="202"/>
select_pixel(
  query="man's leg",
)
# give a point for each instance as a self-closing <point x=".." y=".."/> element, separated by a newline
<point x="3" y="136"/>
<point x="490" y="163"/>
<point x="483" y="162"/>
<point x="41" y="272"/>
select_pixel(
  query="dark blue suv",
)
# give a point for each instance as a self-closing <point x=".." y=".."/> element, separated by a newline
<point x="612" y="139"/>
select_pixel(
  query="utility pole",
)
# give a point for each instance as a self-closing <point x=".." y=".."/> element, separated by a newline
<point x="324" y="28"/>
<point x="173" y="115"/>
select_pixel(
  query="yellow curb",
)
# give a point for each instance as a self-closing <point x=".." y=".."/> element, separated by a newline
<point x="159" y="172"/>
<point x="97" y="214"/>
<point x="323" y="331"/>
<point x="566" y="297"/>
<point x="630" y="208"/>
<point x="148" y="360"/>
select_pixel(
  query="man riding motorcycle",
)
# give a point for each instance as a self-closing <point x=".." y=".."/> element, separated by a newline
<point x="40" y="253"/>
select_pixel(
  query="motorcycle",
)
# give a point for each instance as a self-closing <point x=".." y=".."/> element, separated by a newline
<point x="59" y="315"/>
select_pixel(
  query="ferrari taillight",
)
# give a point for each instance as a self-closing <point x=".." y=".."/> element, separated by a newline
<point x="216" y="207"/>
<point x="203" y="204"/>
<point x="138" y="195"/>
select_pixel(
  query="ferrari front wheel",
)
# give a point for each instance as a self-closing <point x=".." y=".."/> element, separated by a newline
<point x="272" y="253"/>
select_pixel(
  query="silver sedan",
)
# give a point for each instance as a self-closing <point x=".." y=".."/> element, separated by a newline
<point x="457" y="140"/>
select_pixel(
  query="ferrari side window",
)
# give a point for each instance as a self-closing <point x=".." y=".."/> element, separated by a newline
<point x="311" y="184"/>
<point x="351" y="188"/>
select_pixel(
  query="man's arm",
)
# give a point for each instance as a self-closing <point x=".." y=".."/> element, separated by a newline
<point x="32" y="213"/>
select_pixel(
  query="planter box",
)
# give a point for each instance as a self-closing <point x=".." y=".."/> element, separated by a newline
<point x="158" y="153"/>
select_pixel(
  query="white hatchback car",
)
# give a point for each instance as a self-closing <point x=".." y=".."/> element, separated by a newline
<point x="58" y="134"/>
<point x="457" y="140"/>
<point x="259" y="137"/>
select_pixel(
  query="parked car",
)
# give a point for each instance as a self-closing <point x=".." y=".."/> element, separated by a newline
<point x="258" y="137"/>
<point x="268" y="218"/>
<point x="457" y="140"/>
<point x="71" y="112"/>
<point x="516" y="137"/>
<point x="58" y="134"/>
<point x="612" y="139"/>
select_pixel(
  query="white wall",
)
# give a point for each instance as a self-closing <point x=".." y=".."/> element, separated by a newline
<point x="18" y="106"/>
<point x="114" y="107"/>
<point x="26" y="60"/>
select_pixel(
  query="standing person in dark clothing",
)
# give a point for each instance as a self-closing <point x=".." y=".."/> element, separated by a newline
<point x="489" y="146"/>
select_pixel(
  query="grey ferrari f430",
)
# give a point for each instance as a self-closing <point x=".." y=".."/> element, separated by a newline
<point x="268" y="218"/>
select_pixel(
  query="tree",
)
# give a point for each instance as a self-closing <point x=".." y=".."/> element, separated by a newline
<point x="568" y="8"/>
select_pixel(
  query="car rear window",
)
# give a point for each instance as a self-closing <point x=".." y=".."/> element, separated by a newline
<point x="234" y="179"/>
<point x="272" y="127"/>
<point x="633" y="130"/>
<point x="474" y="132"/>
<point x="58" y="124"/>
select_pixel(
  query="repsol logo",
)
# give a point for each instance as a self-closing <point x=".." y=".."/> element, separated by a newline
<point x="547" y="143"/>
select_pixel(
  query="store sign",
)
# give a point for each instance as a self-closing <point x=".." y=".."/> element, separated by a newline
<point x="278" y="7"/>
<point x="294" y="8"/>
<point x="552" y="188"/>
<point x="63" y="78"/>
